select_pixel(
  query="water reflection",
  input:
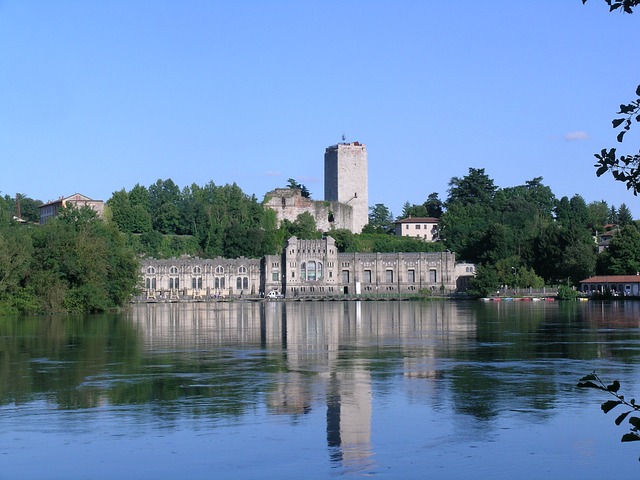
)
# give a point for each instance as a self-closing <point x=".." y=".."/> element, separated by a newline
<point x="353" y="365"/>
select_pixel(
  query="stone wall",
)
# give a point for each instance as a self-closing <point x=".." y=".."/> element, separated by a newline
<point x="288" y="203"/>
<point x="346" y="180"/>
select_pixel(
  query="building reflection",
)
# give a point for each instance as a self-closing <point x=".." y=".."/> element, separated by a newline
<point x="320" y="352"/>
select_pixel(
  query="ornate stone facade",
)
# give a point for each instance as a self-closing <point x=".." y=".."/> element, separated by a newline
<point x="305" y="268"/>
<point x="198" y="279"/>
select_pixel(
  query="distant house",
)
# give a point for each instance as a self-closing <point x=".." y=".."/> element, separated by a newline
<point x="51" y="209"/>
<point x="605" y="237"/>
<point x="623" y="285"/>
<point x="425" y="228"/>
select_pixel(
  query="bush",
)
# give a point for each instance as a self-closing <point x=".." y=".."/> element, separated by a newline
<point x="565" y="292"/>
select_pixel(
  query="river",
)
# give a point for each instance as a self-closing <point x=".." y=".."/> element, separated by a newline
<point x="438" y="390"/>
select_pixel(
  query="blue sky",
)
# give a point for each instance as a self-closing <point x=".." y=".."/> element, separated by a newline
<point x="96" y="96"/>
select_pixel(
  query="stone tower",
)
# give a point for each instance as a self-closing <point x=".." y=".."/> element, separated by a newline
<point x="346" y="180"/>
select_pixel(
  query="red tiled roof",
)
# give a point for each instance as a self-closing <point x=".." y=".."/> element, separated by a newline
<point x="612" y="279"/>
<point x="419" y="220"/>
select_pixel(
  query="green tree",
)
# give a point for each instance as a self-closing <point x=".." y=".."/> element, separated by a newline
<point x="381" y="242"/>
<point x="5" y="212"/>
<point x="380" y="219"/>
<point x="485" y="283"/>
<point x="304" y="191"/>
<point x="622" y="257"/>
<point x="121" y="210"/>
<point x="29" y="210"/>
<point x="463" y="228"/>
<point x="474" y="188"/>
<point x="564" y="253"/>
<point x="304" y="227"/>
<point x="345" y="240"/>
<point x="598" y="215"/>
<point x="164" y="206"/>
<point x="524" y="210"/>
<point x="578" y="258"/>
<point x="16" y="252"/>
<point x="548" y="249"/>
<point x="612" y="218"/>
<point x="81" y="264"/>
<point x="23" y="207"/>
<point x="573" y="211"/>
<point x="432" y="207"/>
<point x="624" y="215"/>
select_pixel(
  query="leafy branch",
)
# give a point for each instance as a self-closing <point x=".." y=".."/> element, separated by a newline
<point x="625" y="168"/>
<point x="593" y="381"/>
<point x="626" y="5"/>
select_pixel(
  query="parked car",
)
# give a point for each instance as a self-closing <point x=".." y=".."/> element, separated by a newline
<point x="274" y="294"/>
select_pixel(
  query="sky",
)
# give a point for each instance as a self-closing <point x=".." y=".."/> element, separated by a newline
<point x="101" y="95"/>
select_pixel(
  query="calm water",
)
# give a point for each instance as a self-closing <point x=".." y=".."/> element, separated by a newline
<point x="318" y="390"/>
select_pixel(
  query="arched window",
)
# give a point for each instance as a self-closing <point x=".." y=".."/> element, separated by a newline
<point x="151" y="270"/>
<point x="245" y="283"/>
<point x="218" y="280"/>
<point x="196" y="280"/>
<point x="319" y="270"/>
<point x="239" y="283"/>
<point x="311" y="271"/>
<point x="242" y="269"/>
<point x="174" y="281"/>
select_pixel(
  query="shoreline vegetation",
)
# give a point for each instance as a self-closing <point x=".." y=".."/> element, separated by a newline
<point x="521" y="236"/>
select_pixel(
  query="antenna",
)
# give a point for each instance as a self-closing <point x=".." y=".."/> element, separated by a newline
<point x="18" y="213"/>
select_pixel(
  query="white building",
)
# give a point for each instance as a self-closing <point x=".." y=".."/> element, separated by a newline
<point x="425" y="228"/>
<point x="623" y="285"/>
<point x="51" y="209"/>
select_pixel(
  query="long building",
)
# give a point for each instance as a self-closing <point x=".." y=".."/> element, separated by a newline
<point x="305" y="268"/>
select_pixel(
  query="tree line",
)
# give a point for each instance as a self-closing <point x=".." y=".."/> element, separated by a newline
<point x="520" y="236"/>
<point x="76" y="263"/>
<point x="524" y="236"/>
<point x="210" y="221"/>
